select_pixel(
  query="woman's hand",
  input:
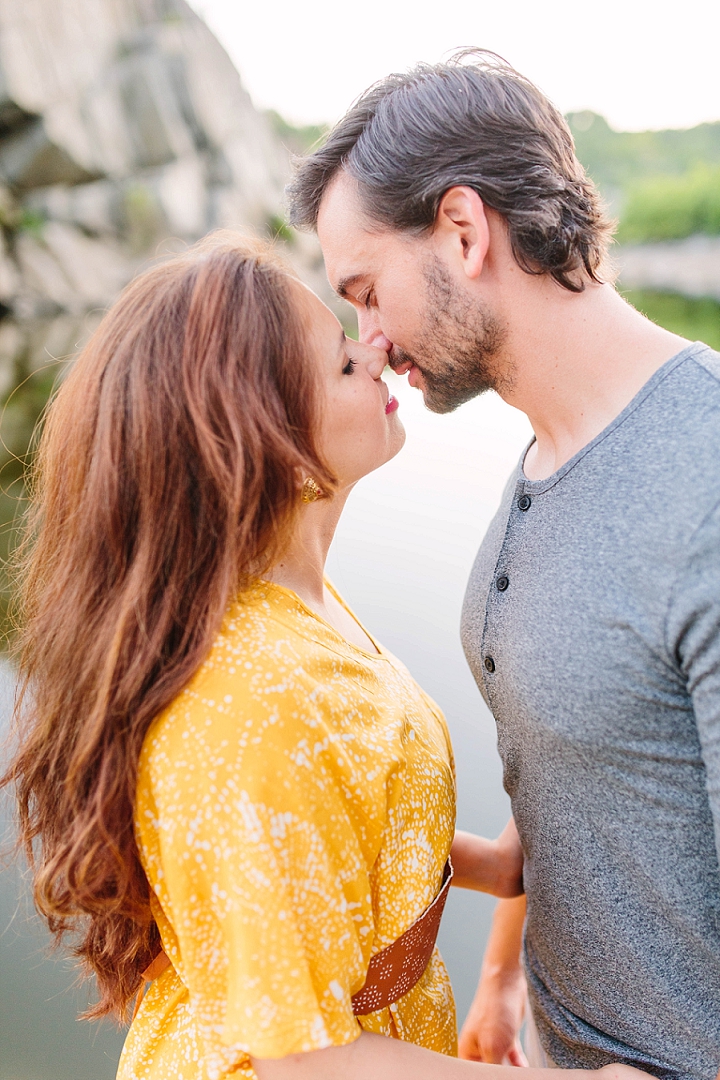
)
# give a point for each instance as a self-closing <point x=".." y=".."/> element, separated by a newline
<point x="493" y="866"/>
<point x="491" y="1032"/>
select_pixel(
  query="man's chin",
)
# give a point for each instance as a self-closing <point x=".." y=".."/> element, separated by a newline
<point x="433" y="397"/>
<point x="438" y="406"/>
<point x="441" y="402"/>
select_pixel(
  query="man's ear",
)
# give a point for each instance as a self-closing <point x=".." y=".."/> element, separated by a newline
<point x="461" y="225"/>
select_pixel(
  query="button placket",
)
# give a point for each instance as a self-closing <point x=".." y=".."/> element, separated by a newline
<point x="499" y="587"/>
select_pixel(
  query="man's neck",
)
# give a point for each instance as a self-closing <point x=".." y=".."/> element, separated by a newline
<point x="574" y="362"/>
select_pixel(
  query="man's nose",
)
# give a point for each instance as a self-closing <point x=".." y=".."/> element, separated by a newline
<point x="370" y="333"/>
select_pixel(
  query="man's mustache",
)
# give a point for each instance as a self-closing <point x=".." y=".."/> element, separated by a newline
<point x="397" y="357"/>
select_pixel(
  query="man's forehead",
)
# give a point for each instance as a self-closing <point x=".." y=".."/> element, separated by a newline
<point x="346" y="242"/>
<point x="341" y="201"/>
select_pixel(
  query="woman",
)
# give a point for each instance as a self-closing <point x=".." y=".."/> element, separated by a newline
<point x="230" y="789"/>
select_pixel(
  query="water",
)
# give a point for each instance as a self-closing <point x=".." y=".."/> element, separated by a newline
<point x="696" y="318"/>
<point x="401" y="558"/>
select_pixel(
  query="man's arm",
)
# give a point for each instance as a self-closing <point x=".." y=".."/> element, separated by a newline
<point x="693" y="639"/>
<point x="491" y="1030"/>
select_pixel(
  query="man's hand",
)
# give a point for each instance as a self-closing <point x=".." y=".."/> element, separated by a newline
<point x="491" y="1030"/>
<point x="490" y="1033"/>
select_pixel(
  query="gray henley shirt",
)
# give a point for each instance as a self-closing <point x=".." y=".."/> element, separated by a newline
<point x="592" y="626"/>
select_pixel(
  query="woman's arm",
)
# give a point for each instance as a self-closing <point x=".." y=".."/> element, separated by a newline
<point x="491" y="1030"/>
<point x="376" y="1057"/>
<point x="492" y="866"/>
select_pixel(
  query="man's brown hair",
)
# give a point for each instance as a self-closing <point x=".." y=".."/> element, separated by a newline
<point x="472" y="121"/>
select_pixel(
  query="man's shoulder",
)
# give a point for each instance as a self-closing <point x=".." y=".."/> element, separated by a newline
<point x="677" y="424"/>
<point x="706" y="356"/>
<point x="698" y="368"/>
<point x="671" y="444"/>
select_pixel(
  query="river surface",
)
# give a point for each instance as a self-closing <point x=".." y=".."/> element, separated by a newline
<point x="401" y="558"/>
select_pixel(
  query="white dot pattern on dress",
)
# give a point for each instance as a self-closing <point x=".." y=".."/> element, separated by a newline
<point x="295" y="809"/>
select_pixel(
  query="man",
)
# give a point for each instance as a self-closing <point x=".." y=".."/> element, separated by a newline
<point x="456" y="219"/>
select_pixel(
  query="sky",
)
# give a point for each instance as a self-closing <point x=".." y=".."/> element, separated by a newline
<point x="641" y="64"/>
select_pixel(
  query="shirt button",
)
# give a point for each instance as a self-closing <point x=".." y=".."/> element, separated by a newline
<point x="502" y="583"/>
<point x="489" y="664"/>
<point x="524" y="502"/>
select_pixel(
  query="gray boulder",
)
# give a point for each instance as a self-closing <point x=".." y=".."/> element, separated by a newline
<point x="124" y="128"/>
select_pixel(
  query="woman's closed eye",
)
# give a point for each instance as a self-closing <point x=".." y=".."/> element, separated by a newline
<point x="349" y="366"/>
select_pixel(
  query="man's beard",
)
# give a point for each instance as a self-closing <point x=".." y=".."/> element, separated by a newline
<point x="460" y="344"/>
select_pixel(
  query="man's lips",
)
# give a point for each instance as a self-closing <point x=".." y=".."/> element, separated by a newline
<point x="404" y="366"/>
<point x="415" y="377"/>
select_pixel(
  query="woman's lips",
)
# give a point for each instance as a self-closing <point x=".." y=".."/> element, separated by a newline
<point x="392" y="404"/>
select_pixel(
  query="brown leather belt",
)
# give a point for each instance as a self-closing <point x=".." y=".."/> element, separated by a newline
<point x="394" y="970"/>
<point x="391" y="973"/>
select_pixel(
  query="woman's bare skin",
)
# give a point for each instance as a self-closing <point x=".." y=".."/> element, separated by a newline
<point x="375" y="1057"/>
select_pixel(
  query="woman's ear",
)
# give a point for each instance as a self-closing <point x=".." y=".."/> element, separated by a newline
<point x="462" y="229"/>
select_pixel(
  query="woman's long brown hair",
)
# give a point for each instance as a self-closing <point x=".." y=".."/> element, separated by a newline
<point x="167" y="477"/>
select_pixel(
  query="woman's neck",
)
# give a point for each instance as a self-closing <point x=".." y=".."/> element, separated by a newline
<point x="302" y="565"/>
<point x="302" y="568"/>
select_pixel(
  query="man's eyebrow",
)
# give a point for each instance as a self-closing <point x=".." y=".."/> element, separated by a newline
<point x="347" y="283"/>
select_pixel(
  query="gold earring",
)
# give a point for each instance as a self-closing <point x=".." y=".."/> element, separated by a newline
<point x="311" y="491"/>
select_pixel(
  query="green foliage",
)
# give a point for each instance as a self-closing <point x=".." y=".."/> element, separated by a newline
<point x="695" y="319"/>
<point x="278" y="229"/>
<point x="13" y="506"/>
<point x="299" y="140"/>
<point x="20" y="419"/>
<point x="10" y="211"/>
<point x="663" y="185"/>
<point x="671" y="207"/>
<point x="142" y="217"/>
<point x="32" y="222"/>
<point x="616" y="159"/>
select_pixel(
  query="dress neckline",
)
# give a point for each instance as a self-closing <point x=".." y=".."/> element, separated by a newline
<point x="379" y="654"/>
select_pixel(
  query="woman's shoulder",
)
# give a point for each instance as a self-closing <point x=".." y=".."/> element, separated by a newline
<point x="256" y="639"/>
<point x="259" y="684"/>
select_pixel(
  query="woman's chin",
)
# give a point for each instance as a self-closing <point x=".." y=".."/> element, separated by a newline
<point x="399" y="435"/>
<point x="395" y="443"/>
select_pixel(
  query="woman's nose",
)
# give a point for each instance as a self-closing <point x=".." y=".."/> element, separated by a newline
<point x="376" y="360"/>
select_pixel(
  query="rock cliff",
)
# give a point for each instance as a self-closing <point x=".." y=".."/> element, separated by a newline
<point x="124" y="130"/>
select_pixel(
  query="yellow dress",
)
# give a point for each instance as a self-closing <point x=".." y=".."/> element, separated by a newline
<point x="295" y="808"/>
